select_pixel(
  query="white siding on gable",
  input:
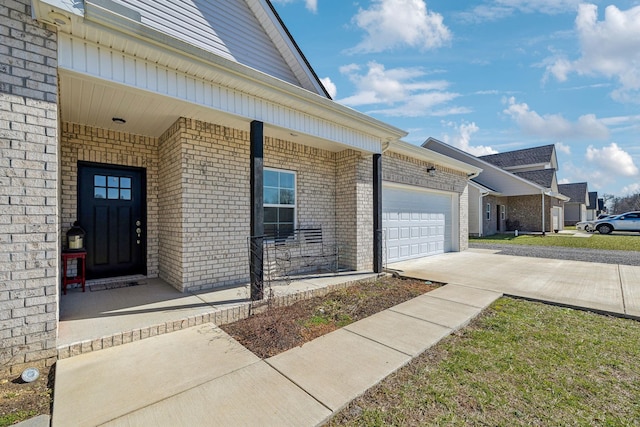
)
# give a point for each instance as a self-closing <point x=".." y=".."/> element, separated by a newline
<point x="227" y="28"/>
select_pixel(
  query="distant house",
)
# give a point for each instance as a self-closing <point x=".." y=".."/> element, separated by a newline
<point x="516" y="190"/>
<point x="593" y="209"/>
<point x="576" y="208"/>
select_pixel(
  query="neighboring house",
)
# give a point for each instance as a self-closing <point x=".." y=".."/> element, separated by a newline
<point x="173" y="131"/>
<point x="517" y="190"/>
<point x="593" y="209"/>
<point x="576" y="208"/>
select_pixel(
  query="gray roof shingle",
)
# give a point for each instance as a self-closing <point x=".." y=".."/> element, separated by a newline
<point x="526" y="156"/>
<point x="576" y="191"/>
<point x="543" y="177"/>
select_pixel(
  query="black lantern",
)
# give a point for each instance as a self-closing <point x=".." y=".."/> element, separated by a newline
<point x="75" y="238"/>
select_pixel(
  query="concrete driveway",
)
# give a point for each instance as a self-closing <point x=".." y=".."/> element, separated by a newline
<point x="609" y="288"/>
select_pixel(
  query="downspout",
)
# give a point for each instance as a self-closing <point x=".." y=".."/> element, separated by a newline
<point x="378" y="238"/>
<point x="481" y="213"/>
<point x="543" y="216"/>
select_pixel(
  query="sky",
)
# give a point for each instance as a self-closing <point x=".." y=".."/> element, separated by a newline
<point x="489" y="76"/>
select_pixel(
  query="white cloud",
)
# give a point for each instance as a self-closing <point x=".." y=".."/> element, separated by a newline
<point x="499" y="9"/>
<point x="631" y="189"/>
<point x="329" y="86"/>
<point x="609" y="48"/>
<point x="564" y="181"/>
<point x="554" y="125"/>
<point x="563" y="148"/>
<point x="398" y="23"/>
<point x="612" y="159"/>
<point x="462" y="139"/>
<point x="399" y="91"/>
<point x="311" y="5"/>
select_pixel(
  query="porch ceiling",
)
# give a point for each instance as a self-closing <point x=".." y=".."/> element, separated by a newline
<point x="94" y="102"/>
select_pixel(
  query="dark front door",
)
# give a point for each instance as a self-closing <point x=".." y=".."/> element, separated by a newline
<point x="111" y="209"/>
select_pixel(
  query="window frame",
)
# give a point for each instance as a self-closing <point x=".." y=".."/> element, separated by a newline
<point x="503" y="212"/>
<point x="280" y="205"/>
<point x="488" y="212"/>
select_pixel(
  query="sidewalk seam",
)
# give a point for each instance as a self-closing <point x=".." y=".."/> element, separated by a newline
<point x="464" y="303"/>
<point x="624" y="303"/>
<point x="424" y="320"/>
<point x="266" y="361"/>
<point x="378" y="342"/>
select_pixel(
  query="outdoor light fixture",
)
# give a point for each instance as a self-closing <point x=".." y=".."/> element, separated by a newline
<point x="118" y="120"/>
<point x="431" y="170"/>
<point x="58" y="18"/>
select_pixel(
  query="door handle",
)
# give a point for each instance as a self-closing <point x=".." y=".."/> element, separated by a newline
<point x="138" y="231"/>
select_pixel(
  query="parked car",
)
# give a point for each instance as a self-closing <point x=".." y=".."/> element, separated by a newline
<point x="590" y="225"/>
<point x="629" y="221"/>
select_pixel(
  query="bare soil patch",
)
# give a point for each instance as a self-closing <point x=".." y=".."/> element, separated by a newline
<point x="20" y="401"/>
<point x="279" y="329"/>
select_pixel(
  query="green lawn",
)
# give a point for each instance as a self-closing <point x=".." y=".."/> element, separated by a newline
<point x="521" y="363"/>
<point x="596" y="241"/>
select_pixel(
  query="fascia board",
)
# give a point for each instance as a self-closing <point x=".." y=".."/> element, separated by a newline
<point x="265" y="9"/>
<point x="528" y="166"/>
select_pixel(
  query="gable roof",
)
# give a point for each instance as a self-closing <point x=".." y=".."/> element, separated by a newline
<point x="576" y="191"/>
<point x="493" y="177"/>
<point x="247" y="32"/>
<point x="524" y="157"/>
<point x="543" y="177"/>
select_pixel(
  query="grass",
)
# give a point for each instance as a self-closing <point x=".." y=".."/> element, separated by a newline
<point x="15" y="417"/>
<point x="520" y="363"/>
<point x="596" y="241"/>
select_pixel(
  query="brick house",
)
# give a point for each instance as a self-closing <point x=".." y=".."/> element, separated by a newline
<point x="172" y="131"/>
<point x="516" y="190"/>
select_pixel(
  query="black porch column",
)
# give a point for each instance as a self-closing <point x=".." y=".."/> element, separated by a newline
<point x="377" y="213"/>
<point x="257" y="211"/>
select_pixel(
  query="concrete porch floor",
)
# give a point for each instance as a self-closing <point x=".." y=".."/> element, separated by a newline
<point x="101" y="318"/>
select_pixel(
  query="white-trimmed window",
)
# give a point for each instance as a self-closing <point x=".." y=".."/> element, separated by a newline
<point x="503" y="212"/>
<point x="279" y="202"/>
<point x="488" y="211"/>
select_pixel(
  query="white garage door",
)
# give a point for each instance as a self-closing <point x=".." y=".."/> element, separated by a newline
<point x="415" y="223"/>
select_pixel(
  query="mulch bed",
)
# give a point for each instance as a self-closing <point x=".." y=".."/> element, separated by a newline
<point x="279" y="329"/>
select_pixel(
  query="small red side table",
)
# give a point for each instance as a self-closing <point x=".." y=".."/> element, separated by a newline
<point x="81" y="256"/>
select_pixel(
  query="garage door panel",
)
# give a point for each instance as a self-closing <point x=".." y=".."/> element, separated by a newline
<point x="393" y="233"/>
<point x="416" y="223"/>
<point x="394" y="252"/>
<point x="405" y="233"/>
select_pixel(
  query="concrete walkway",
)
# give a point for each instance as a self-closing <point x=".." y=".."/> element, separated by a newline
<point x="200" y="376"/>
